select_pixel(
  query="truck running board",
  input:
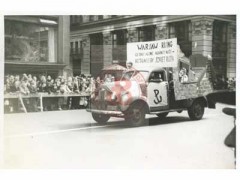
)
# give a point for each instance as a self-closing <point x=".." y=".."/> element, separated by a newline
<point x="169" y="110"/>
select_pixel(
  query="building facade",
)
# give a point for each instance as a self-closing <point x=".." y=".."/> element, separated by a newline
<point x="97" y="41"/>
<point x="37" y="45"/>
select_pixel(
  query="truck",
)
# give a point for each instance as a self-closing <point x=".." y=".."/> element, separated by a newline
<point x="132" y="93"/>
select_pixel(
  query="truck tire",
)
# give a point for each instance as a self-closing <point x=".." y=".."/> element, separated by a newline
<point x="100" y="118"/>
<point x="162" y="115"/>
<point x="196" y="110"/>
<point x="135" y="115"/>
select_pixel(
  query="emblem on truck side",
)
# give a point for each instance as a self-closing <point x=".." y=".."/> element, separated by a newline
<point x="157" y="99"/>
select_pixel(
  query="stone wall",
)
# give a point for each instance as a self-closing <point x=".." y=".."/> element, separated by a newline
<point x="85" y="63"/>
<point x="202" y="29"/>
<point x="231" y="57"/>
<point x="161" y="32"/>
<point x="132" y="35"/>
<point x="107" y="49"/>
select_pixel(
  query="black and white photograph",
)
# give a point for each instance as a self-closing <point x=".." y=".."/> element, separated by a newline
<point x="119" y="91"/>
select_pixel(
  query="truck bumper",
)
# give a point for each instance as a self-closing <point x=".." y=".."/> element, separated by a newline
<point x="111" y="113"/>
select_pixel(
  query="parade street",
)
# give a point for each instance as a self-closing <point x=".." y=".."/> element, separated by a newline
<point x="72" y="139"/>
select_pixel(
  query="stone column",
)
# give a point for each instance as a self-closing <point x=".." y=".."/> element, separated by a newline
<point x="161" y="31"/>
<point x="85" y="63"/>
<point x="51" y="45"/>
<point x="132" y="35"/>
<point x="64" y="45"/>
<point x="231" y="56"/>
<point x="107" y="49"/>
<point x="202" y="29"/>
<point x="85" y="18"/>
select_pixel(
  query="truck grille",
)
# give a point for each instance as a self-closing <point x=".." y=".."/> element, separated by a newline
<point x="102" y="103"/>
<point x="102" y="95"/>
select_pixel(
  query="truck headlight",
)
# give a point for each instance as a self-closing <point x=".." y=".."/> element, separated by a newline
<point x="114" y="96"/>
<point x="125" y="96"/>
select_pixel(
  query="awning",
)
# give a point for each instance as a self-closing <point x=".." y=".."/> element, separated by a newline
<point x="32" y="67"/>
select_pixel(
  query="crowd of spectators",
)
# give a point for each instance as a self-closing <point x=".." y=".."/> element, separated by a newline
<point x="31" y="84"/>
<point x="225" y="83"/>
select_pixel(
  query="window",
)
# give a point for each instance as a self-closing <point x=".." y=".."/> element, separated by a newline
<point x="119" y="51"/>
<point x="29" y="42"/>
<point x="96" y="53"/>
<point x="72" y="19"/>
<point x="119" y="38"/>
<point x="183" y="32"/>
<point x="146" y="33"/>
<point x="219" y="48"/>
<point x="79" y="19"/>
<point x="157" y="76"/>
<point x="76" y="47"/>
<point x="100" y="17"/>
<point x="71" y="48"/>
<point x="91" y="18"/>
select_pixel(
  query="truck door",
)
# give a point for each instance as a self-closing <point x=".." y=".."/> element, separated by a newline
<point x="157" y="91"/>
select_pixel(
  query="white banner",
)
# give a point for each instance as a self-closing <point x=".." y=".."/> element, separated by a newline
<point x="161" y="53"/>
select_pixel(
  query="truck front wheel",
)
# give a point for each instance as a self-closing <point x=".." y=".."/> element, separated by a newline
<point x="196" y="110"/>
<point x="100" y="118"/>
<point x="135" y="116"/>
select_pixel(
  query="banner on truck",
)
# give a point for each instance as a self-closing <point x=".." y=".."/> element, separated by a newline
<point x="161" y="53"/>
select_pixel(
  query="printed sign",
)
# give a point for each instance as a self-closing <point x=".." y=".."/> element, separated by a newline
<point x="162" y="53"/>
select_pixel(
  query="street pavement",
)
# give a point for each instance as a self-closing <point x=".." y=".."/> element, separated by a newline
<point x="72" y="139"/>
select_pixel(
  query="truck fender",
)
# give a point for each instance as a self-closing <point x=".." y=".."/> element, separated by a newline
<point x="142" y="102"/>
<point x="205" y="102"/>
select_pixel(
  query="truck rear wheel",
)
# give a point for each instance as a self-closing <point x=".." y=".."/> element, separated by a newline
<point x="196" y="110"/>
<point x="135" y="116"/>
<point x="100" y="118"/>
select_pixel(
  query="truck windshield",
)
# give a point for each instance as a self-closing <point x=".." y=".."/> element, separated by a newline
<point x="111" y="75"/>
<point x="127" y="75"/>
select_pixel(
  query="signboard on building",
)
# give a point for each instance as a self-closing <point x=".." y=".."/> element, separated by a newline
<point x="161" y="53"/>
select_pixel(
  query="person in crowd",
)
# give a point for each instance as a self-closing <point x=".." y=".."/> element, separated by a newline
<point x="33" y="101"/>
<point x="58" y="84"/>
<point x="92" y="87"/>
<point x="24" y="86"/>
<point x="75" y="100"/>
<point x="129" y="65"/>
<point x="70" y="87"/>
<point x="43" y="84"/>
<point x="70" y="83"/>
<point x="29" y="77"/>
<point x="49" y="84"/>
<point x="33" y="87"/>
<point x="6" y="84"/>
<point x="183" y="77"/>
<point x="231" y="83"/>
<point x="221" y="82"/>
<point x="63" y="89"/>
<point x="108" y="78"/>
<point x="24" y="89"/>
<point x="47" y="87"/>
<point x="75" y="85"/>
<point x="12" y="88"/>
<point x="83" y="84"/>
<point x="17" y="83"/>
<point x="8" y="103"/>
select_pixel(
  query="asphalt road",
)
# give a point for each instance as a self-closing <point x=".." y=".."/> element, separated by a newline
<point x="71" y="139"/>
